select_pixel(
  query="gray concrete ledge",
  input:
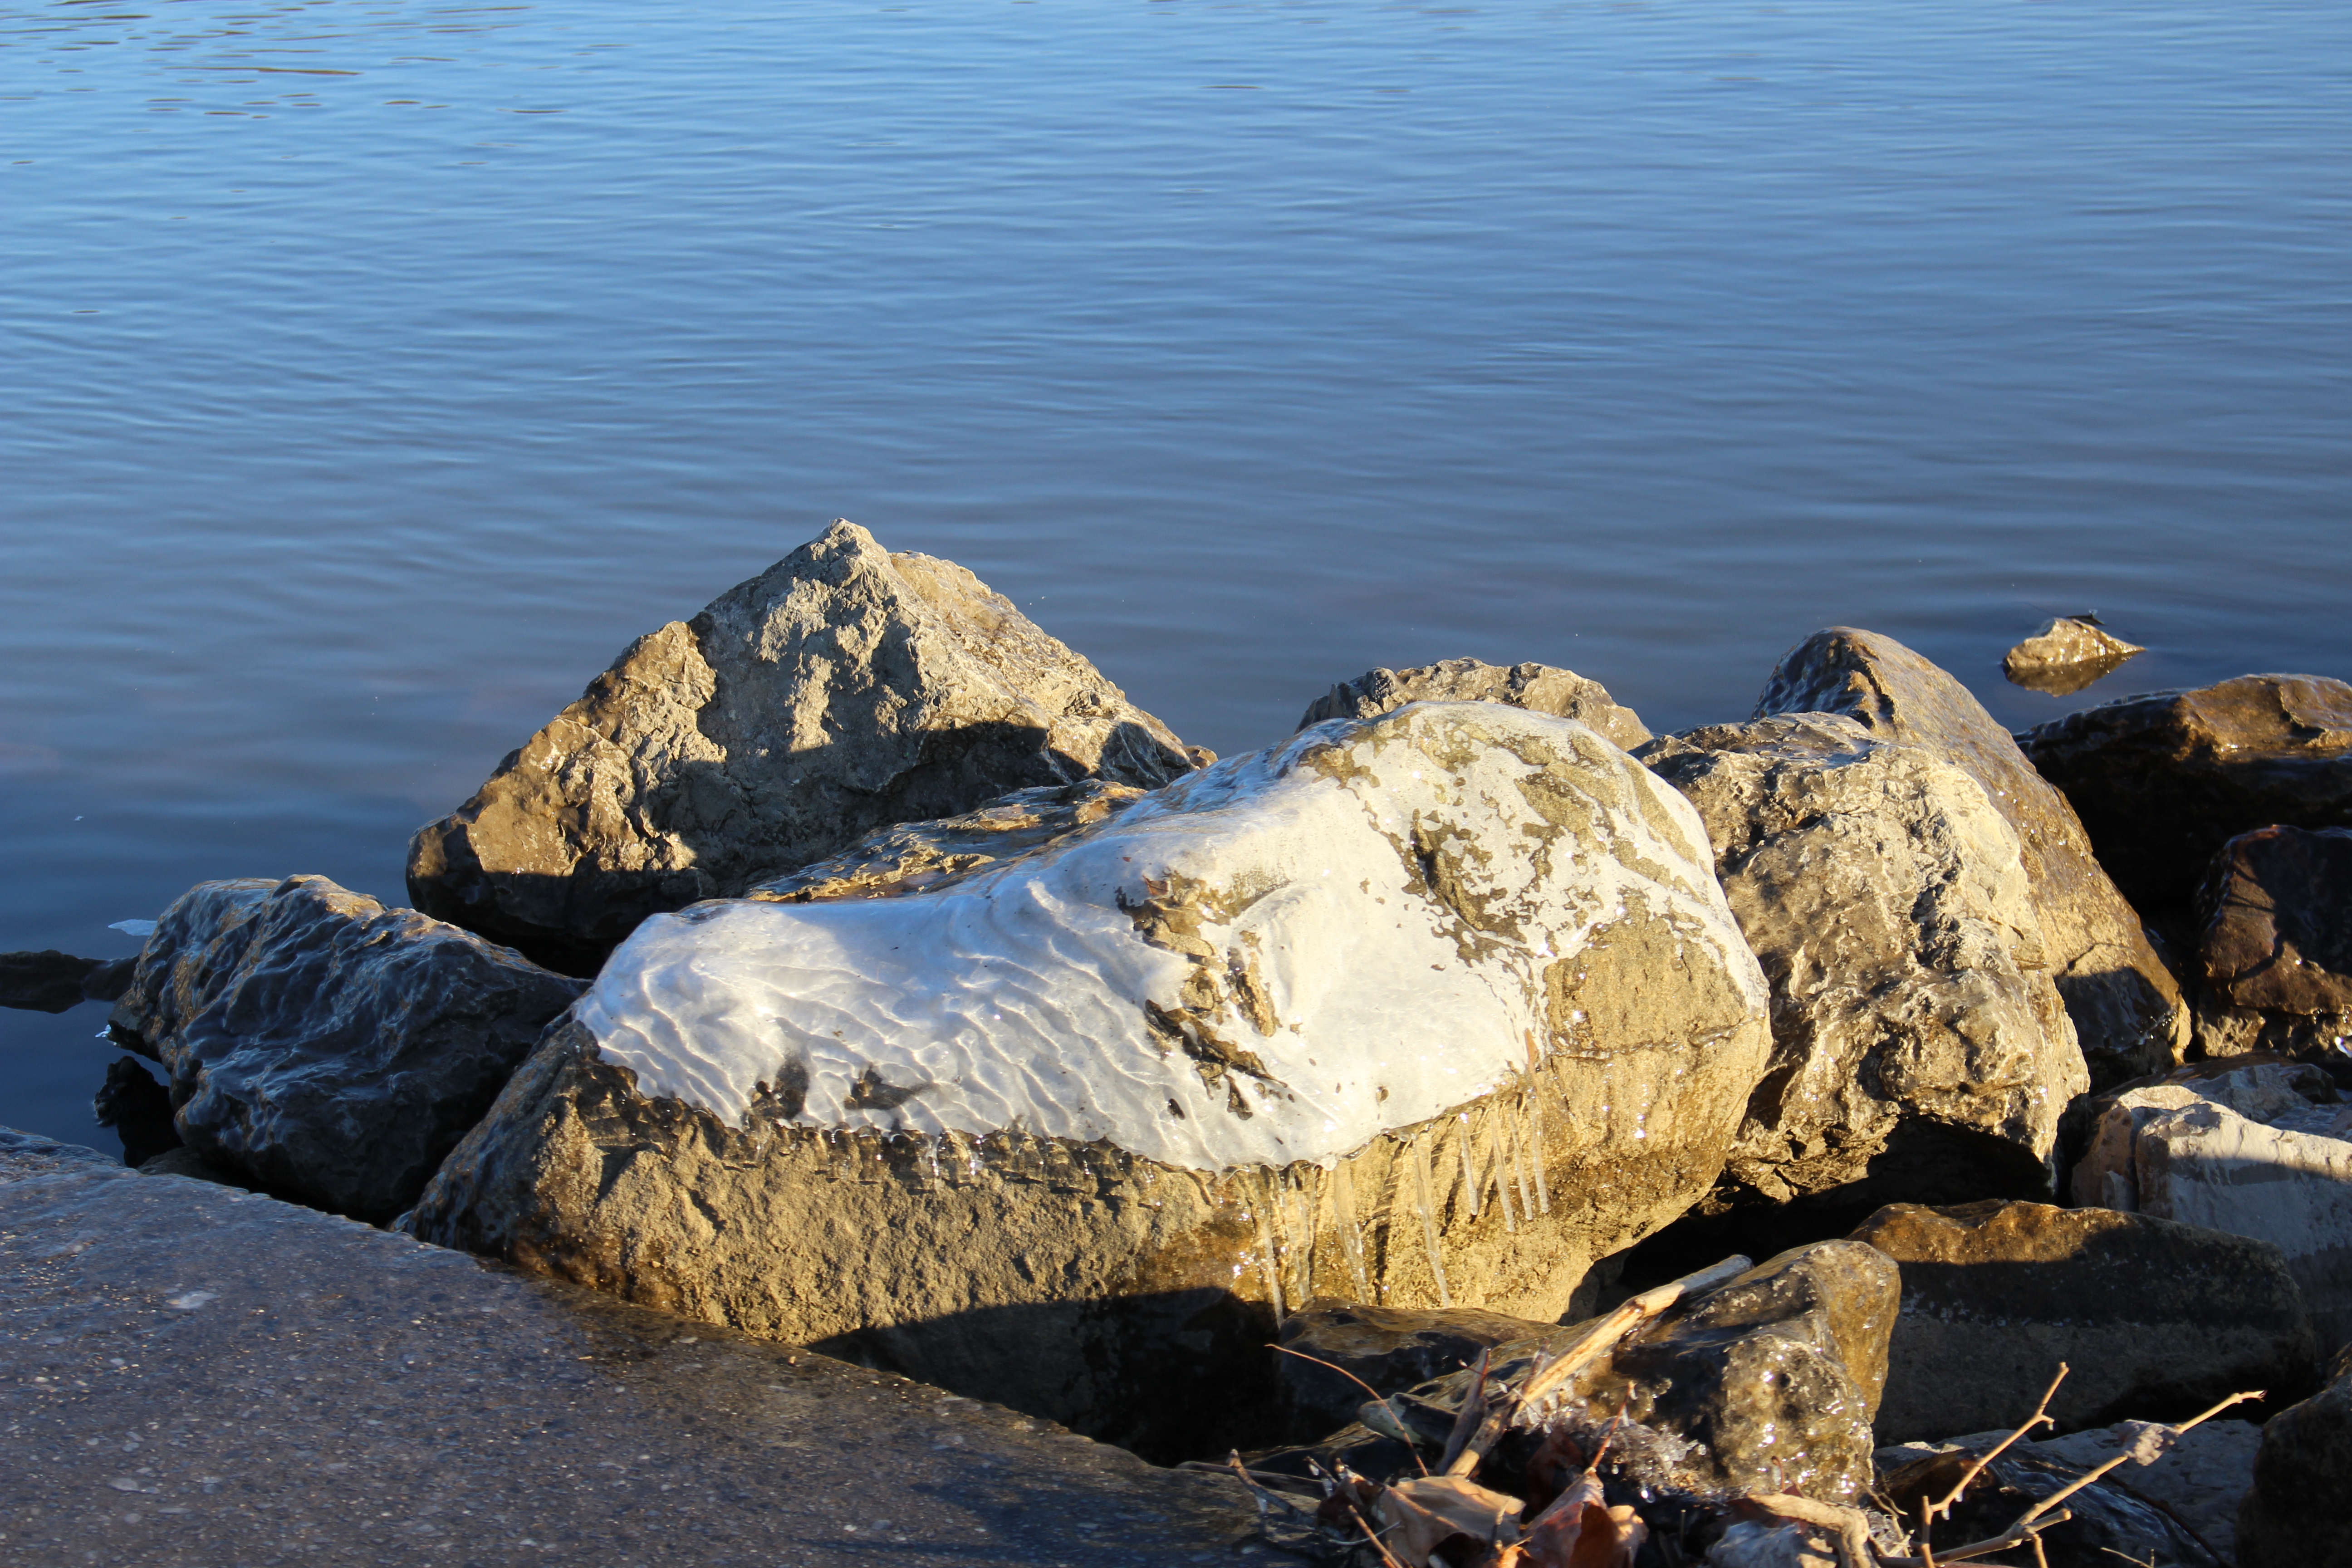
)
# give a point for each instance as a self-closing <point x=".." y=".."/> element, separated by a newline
<point x="192" y="1374"/>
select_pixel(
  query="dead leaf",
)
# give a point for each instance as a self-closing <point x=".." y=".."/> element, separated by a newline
<point x="1579" y="1530"/>
<point x="1417" y="1515"/>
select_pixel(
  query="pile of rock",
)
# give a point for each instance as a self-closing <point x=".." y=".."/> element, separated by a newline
<point x="853" y="965"/>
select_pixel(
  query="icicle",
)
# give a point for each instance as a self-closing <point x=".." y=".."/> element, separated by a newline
<point x="1470" y="1181"/>
<point x="1351" y="1240"/>
<point x="1268" y="1262"/>
<point x="1309" y="1206"/>
<point x="1535" y="1151"/>
<point x="1519" y="1161"/>
<point x="1502" y="1174"/>
<point x="1420" y="1156"/>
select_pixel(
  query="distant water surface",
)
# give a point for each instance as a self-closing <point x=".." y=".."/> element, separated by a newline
<point x="373" y="372"/>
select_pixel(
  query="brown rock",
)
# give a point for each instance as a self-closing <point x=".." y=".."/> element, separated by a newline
<point x="2126" y="1006"/>
<point x="2065" y="654"/>
<point x="2276" y="910"/>
<point x="1538" y="688"/>
<point x="2156" y="1319"/>
<point x="2293" y="1516"/>
<point x="2162" y="782"/>
<point x="842" y="689"/>
<point x="1918" y="1043"/>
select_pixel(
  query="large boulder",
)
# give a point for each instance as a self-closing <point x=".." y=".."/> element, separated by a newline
<point x="2127" y="1006"/>
<point x="1920" y="1050"/>
<point x="1766" y="1382"/>
<point x="2161" y="782"/>
<point x="1537" y="687"/>
<point x="1430" y="1009"/>
<point x="844" y="688"/>
<point x="2154" y="1319"/>
<point x="329" y="1048"/>
<point x="2251" y="1152"/>
<point x="2293" y="1516"/>
<point x="2277" y="943"/>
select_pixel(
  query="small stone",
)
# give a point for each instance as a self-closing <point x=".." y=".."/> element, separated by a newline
<point x="2067" y="654"/>
<point x="43" y="982"/>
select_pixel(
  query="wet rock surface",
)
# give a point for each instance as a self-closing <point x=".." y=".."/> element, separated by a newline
<point x="2293" y="1516"/>
<point x="2156" y="1319"/>
<point x="2065" y="654"/>
<point x="192" y="1374"/>
<point x="2249" y="1152"/>
<point x="1766" y="1384"/>
<point x="843" y="689"/>
<point x="45" y="981"/>
<point x="329" y="1048"/>
<point x="1389" y="1048"/>
<point x="2127" y="1007"/>
<point x="1538" y="688"/>
<point x="2108" y="1521"/>
<point x="2276" y="944"/>
<point x="1887" y="901"/>
<point x="1392" y="1349"/>
<point x="2162" y="781"/>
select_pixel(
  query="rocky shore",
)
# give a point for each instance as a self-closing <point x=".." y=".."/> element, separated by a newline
<point x="1474" y="1129"/>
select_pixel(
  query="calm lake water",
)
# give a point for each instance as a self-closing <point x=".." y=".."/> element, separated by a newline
<point x="375" y="370"/>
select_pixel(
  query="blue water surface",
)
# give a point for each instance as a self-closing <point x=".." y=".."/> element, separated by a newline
<point x="374" y="370"/>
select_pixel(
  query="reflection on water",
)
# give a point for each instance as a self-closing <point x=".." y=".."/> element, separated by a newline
<point x="376" y="370"/>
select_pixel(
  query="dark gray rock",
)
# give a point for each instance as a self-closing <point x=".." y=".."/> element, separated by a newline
<point x="1765" y="1383"/>
<point x="1888" y="902"/>
<point x="2109" y="1521"/>
<point x="138" y="1109"/>
<point x="43" y="982"/>
<point x="2162" y="781"/>
<point x="2127" y="1007"/>
<point x="842" y="689"/>
<point x="2276" y="942"/>
<point x="1538" y="688"/>
<point x="2294" y="1515"/>
<point x="2157" y="1320"/>
<point x="1392" y="1349"/>
<point x="189" y="1374"/>
<point x="329" y="1048"/>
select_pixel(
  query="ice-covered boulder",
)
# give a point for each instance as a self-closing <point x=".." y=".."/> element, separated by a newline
<point x="329" y="1048"/>
<point x="2127" y="1007"/>
<point x="1919" y="1046"/>
<point x="1427" y="1009"/>
<point x="844" y="688"/>
<point x="1537" y="687"/>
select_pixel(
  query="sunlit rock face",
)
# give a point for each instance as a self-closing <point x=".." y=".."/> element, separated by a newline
<point x="1430" y="1008"/>
<point x="844" y="688"/>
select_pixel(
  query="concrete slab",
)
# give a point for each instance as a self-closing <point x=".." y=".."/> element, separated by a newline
<point x="192" y="1374"/>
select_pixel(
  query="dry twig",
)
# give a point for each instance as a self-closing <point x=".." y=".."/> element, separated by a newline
<point x="1466" y="1419"/>
<point x="1929" y="1510"/>
<point x="2062" y="1493"/>
<point x="1548" y="1373"/>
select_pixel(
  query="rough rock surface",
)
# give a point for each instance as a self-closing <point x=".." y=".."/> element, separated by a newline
<point x="1885" y="898"/>
<point x="2126" y="1006"/>
<point x="1430" y="1009"/>
<point x="2163" y="781"/>
<point x="191" y="1375"/>
<point x="2066" y="653"/>
<point x="1766" y="1384"/>
<point x="2108" y="1521"/>
<point x="1538" y="688"/>
<point x="915" y="855"/>
<point x="2294" y="1515"/>
<point x="842" y="689"/>
<point x="2200" y="1479"/>
<point x="2156" y="1319"/>
<point x="1390" y="1349"/>
<point x="2277" y="943"/>
<point x="2246" y="1153"/>
<point x="330" y="1048"/>
<point x="43" y="982"/>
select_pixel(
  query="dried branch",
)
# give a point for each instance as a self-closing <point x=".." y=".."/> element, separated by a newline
<point x="1378" y="1397"/>
<point x="1466" y="1419"/>
<point x="1549" y="1374"/>
<point x="1852" y="1530"/>
<point x="1261" y="1493"/>
<point x="2040" y="1415"/>
<point x="2062" y="1493"/>
<point x="2013" y="1537"/>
